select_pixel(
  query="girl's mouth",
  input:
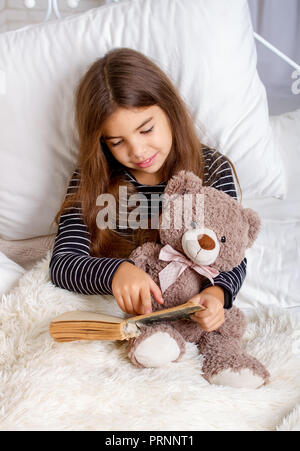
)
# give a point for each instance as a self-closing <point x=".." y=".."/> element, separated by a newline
<point x="147" y="162"/>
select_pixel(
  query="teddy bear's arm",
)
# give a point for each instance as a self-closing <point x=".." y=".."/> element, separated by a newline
<point x="145" y="254"/>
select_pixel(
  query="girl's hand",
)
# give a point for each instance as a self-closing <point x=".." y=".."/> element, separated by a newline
<point x="213" y="317"/>
<point x="132" y="288"/>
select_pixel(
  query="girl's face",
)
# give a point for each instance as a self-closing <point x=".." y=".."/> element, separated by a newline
<point x="141" y="140"/>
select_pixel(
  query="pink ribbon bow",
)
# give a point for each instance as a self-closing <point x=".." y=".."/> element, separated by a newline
<point x="179" y="263"/>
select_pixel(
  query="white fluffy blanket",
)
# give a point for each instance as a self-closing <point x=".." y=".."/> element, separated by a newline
<point x="92" y="386"/>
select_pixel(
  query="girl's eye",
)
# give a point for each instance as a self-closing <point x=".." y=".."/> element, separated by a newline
<point x="146" y="131"/>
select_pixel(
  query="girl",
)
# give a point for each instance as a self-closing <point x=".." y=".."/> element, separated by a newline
<point x="136" y="132"/>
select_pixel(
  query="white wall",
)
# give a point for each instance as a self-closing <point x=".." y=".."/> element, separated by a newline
<point x="278" y="21"/>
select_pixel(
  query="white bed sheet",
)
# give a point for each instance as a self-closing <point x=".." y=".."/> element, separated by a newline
<point x="273" y="273"/>
<point x="10" y="273"/>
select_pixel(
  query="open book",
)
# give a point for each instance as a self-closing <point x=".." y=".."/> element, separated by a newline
<point x="77" y="325"/>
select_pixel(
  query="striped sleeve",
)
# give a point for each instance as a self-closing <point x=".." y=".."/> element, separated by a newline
<point x="71" y="266"/>
<point x="218" y="174"/>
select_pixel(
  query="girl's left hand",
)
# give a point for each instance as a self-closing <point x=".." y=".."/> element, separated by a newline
<point x="211" y="318"/>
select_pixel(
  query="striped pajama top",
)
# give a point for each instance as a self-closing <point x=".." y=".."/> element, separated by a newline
<point x="73" y="268"/>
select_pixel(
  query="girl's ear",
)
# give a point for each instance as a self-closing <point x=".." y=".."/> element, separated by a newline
<point x="184" y="182"/>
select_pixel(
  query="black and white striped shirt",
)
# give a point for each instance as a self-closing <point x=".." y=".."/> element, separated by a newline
<point x="73" y="268"/>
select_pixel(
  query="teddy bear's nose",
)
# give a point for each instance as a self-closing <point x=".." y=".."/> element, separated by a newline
<point x="206" y="242"/>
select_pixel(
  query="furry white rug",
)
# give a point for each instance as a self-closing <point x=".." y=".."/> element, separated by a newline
<point x="92" y="386"/>
<point x="291" y="422"/>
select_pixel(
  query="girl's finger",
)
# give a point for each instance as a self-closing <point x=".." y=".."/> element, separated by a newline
<point x="136" y="302"/>
<point x="208" y="323"/>
<point x="128" y="304"/>
<point x="214" y="326"/>
<point x="155" y="290"/>
<point x="120" y="302"/>
<point x="203" y="313"/>
<point x="146" y="303"/>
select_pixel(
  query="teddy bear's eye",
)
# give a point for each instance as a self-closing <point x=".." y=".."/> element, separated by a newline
<point x="223" y="239"/>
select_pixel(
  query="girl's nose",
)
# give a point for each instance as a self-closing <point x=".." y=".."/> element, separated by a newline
<point x="136" y="150"/>
<point x="138" y="157"/>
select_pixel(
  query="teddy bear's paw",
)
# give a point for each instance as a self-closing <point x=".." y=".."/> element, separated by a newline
<point x="244" y="378"/>
<point x="157" y="345"/>
<point x="157" y="350"/>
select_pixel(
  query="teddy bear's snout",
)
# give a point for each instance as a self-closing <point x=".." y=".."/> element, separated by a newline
<point x="206" y="242"/>
<point x="201" y="245"/>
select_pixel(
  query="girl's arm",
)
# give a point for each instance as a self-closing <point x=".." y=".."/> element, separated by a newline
<point x="230" y="281"/>
<point x="218" y="174"/>
<point x="71" y="265"/>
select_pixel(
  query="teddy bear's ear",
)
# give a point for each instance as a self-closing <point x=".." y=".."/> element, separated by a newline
<point x="254" y="224"/>
<point x="183" y="182"/>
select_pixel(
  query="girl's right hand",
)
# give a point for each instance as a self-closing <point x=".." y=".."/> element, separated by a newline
<point x="132" y="288"/>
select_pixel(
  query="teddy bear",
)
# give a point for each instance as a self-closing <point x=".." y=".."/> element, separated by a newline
<point x="202" y="231"/>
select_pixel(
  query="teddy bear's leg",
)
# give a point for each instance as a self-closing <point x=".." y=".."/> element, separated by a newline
<point x="156" y="346"/>
<point x="235" y="323"/>
<point x="226" y="363"/>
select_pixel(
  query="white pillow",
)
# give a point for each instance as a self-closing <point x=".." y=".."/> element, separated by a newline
<point x="273" y="276"/>
<point x="10" y="273"/>
<point x="286" y="132"/>
<point x="207" y="49"/>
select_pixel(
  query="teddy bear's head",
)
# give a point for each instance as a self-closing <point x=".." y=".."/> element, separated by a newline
<point x="207" y="225"/>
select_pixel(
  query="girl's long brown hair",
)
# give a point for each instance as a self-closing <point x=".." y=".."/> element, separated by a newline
<point x="124" y="78"/>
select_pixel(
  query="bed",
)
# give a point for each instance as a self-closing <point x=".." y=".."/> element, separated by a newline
<point x="92" y="385"/>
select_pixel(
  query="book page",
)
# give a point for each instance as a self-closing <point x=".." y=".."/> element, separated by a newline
<point x="87" y="316"/>
<point x="182" y="311"/>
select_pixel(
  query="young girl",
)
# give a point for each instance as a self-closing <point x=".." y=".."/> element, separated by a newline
<point x="134" y="131"/>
